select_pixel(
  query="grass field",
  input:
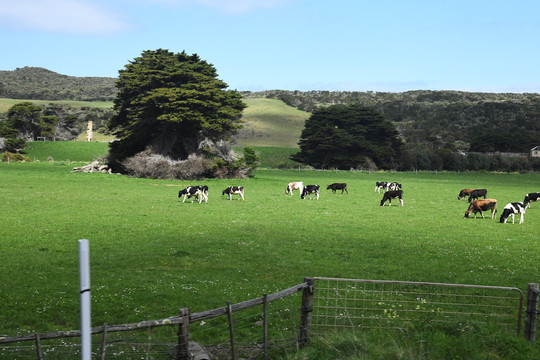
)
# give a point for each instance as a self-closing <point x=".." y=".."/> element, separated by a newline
<point x="66" y="150"/>
<point x="5" y="104"/>
<point x="270" y="122"/>
<point x="150" y="258"/>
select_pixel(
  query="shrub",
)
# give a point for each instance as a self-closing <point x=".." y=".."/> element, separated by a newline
<point x="8" y="156"/>
<point x="148" y="165"/>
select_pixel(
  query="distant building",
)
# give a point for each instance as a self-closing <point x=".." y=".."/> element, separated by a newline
<point x="535" y="151"/>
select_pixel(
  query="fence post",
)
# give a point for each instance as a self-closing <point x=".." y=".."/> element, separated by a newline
<point x="231" y="329"/>
<point x="182" y="353"/>
<point x="307" y="312"/>
<point x="104" y="341"/>
<point x="38" y="348"/>
<point x="532" y="312"/>
<point x="265" y="326"/>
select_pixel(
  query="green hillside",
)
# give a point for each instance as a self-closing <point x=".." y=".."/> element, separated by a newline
<point x="271" y="122"/>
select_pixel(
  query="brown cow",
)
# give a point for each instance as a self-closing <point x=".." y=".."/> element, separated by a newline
<point x="464" y="193"/>
<point x="479" y="205"/>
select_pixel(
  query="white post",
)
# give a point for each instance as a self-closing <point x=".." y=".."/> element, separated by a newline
<point x="84" y="272"/>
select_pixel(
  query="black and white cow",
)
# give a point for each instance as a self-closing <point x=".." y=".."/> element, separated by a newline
<point x="477" y="193"/>
<point x="311" y="190"/>
<point x="511" y="209"/>
<point x="531" y="197"/>
<point x="190" y="192"/>
<point x="234" y="190"/>
<point x="338" y="186"/>
<point x="392" y="194"/>
<point x="393" y="186"/>
<point x="380" y="185"/>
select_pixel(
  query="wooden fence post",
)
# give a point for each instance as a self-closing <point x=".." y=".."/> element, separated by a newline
<point x="38" y="347"/>
<point x="104" y="341"/>
<point x="265" y="326"/>
<point x="231" y="329"/>
<point x="307" y="312"/>
<point x="182" y="353"/>
<point x="532" y="312"/>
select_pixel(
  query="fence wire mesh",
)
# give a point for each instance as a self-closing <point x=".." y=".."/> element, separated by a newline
<point x="283" y="318"/>
<point x="352" y="303"/>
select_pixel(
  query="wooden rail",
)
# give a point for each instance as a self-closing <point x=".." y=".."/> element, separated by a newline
<point x="173" y="320"/>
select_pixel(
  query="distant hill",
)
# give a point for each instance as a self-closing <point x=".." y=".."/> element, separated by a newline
<point x="452" y="120"/>
<point x="456" y="120"/>
<point x="35" y="83"/>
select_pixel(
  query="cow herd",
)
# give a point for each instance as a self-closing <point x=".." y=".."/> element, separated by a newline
<point x="512" y="209"/>
<point x="479" y="203"/>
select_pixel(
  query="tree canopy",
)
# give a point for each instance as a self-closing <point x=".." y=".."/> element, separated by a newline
<point x="168" y="103"/>
<point x="345" y="137"/>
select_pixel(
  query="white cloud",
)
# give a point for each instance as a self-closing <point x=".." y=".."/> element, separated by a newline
<point x="61" y="16"/>
<point x="231" y="6"/>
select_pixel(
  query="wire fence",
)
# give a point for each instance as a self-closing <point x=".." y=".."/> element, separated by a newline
<point x="251" y="332"/>
<point x="354" y="303"/>
<point x="275" y="327"/>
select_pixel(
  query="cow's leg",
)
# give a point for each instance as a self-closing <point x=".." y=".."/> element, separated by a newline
<point x="401" y="202"/>
<point x="185" y="196"/>
<point x="521" y="219"/>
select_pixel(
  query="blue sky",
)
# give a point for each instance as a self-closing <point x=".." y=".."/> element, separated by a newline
<point x="341" y="45"/>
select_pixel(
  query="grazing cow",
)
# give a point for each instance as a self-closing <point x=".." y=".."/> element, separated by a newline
<point x="234" y="190"/>
<point x="193" y="192"/>
<point x="479" y="205"/>
<point x="380" y="185"/>
<point x="531" y="197"/>
<point x="338" y="186"/>
<point x="392" y="194"/>
<point x="464" y="193"/>
<point x="311" y="190"/>
<point x="476" y="194"/>
<point x="297" y="185"/>
<point x="393" y="186"/>
<point x="511" y="209"/>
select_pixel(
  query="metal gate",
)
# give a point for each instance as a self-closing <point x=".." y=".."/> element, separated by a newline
<point x="355" y="303"/>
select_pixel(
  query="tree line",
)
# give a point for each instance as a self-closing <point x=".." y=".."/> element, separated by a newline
<point x="454" y="120"/>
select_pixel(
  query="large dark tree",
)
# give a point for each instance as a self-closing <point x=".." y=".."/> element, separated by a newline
<point x="168" y="103"/>
<point x="345" y="137"/>
<point x="28" y="119"/>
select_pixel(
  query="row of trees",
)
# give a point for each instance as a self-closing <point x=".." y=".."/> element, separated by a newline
<point x="27" y="121"/>
<point x="464" y="120"/>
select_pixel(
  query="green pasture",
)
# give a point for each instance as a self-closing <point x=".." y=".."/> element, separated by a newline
<point x="5" y="104"/>
<point x="66" y="150"/>
<point x="151" y="254"/>
<point x="82" y="151"/>
<point x="271" y="122"/>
